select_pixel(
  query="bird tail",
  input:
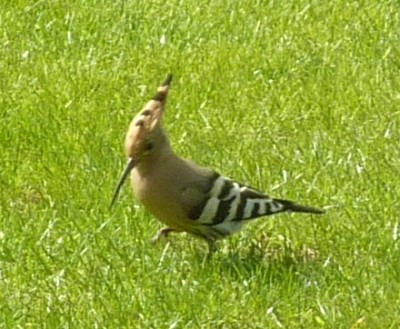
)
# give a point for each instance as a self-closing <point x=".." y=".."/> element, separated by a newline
<point x="294" y="207"/>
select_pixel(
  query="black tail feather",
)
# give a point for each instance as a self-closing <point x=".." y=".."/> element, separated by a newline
<point x="291" y="206"/>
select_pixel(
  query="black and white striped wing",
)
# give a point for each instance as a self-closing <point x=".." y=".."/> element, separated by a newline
<point x="229" y="201"/>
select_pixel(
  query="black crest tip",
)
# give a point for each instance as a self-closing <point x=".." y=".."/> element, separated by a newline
<point x="168" y="80"/>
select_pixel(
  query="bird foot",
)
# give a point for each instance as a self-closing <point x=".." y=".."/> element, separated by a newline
<point x="163" y="233"/>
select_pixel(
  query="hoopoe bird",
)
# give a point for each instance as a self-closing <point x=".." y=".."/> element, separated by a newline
<point x="183" y="195"/>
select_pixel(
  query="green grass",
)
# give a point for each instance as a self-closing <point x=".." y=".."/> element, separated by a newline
<point x="298" y="98"/>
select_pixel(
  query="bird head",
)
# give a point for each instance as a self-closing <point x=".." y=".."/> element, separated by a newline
<point x="145" y="135"/>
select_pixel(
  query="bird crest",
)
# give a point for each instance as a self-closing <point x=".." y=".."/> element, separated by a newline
<point x="147" y="121"/>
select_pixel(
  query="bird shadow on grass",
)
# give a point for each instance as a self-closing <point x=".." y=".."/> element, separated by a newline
<point x="274" y="260"/>
<point x="269" y="258"/>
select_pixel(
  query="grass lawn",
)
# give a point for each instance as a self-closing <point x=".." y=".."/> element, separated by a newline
<point x="300" y="99"/>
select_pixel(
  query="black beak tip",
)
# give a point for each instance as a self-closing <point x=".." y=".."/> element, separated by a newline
<point x="129" y="166"/>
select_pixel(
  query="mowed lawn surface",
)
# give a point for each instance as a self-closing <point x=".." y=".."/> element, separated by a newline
<point x="300" y="99"/>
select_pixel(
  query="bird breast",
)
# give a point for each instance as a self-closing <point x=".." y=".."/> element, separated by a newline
<point x="159" y="192"/>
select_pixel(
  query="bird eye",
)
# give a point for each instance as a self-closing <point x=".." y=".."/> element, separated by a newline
<point x="149" y="146"/>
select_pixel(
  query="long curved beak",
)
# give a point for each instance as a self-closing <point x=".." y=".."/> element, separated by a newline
<point x="129" y="166"/>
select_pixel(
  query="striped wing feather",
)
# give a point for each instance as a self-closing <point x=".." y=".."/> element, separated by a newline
<point x="229" y="201"/>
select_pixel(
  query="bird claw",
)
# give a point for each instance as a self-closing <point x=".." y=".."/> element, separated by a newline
<point x="163" y="233"/>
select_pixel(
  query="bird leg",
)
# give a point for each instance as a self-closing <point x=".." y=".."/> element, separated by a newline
<point x="163" y="233"/>
<point x="212" y="247"/>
